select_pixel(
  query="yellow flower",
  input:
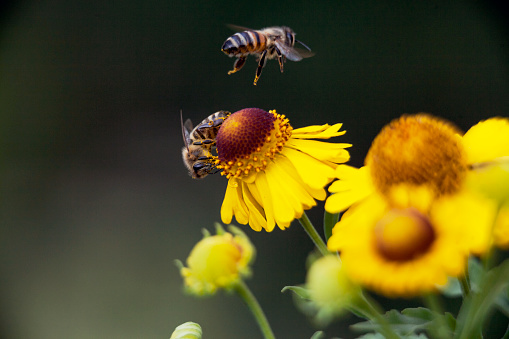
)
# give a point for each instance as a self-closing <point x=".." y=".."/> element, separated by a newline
<point x="274" y="172"/>
<point x="330" y="289"/>
<point x="407" y="242"/>
<point x="413" y="149"/>
<point x="218" y="261"/>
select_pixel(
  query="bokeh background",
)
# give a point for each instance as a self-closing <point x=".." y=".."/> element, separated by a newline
<point x="95" y="202"/>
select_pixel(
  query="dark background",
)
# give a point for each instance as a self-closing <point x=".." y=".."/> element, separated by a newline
<point x="95" y="202"/>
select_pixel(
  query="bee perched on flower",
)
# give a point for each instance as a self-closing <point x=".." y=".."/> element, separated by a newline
<point x="274" y="172"/>
<point x="411" y="219"/>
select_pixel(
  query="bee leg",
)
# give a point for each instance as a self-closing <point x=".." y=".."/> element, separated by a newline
<point x="261" y="64"/>
<point x="238" y="65"/>
<point x="280" y="58"/>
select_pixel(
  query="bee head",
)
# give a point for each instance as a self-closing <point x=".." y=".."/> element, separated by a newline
<point x="289" y="35"/>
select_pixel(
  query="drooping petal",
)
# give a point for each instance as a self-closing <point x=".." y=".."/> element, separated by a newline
<point x="314" y="172"/>
<point x="285" y="204"/>
<point x="256" y="214"/>
<point x="233" y="204"/>
<point x="267" y="202"/>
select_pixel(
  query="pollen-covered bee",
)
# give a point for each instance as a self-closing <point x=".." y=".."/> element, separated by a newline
<point x="198" y="141"/>
<point x="267" y="43"/>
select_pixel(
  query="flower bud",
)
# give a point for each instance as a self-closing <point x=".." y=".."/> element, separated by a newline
<point x="330" y="289"/>
<point x="218" y="261"/>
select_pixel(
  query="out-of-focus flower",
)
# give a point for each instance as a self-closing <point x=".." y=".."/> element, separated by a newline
<point x="187" y="330"/>
<point x="218" y="261"/>
<point x="407" y="242"/>
<point x="330" y="290"/>
<point x="414" y="149"/>
<point x="274" y="172"/>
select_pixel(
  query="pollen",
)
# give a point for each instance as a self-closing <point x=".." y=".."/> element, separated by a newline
<point x="418" y="149"/>
<point x="248" y="139"/>
<point x="403" y="235"/>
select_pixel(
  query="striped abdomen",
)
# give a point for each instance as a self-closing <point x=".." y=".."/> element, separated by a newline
<point x="246" y="42"/>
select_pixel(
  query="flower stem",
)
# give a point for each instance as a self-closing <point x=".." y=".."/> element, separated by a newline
<point x="245" y="293"/>
<point x="465" y="284"/>
<point x="311" y="231"/>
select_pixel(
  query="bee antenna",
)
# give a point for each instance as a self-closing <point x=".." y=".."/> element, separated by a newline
<point x="183" y="131"/>
<point x="303" y="44"/>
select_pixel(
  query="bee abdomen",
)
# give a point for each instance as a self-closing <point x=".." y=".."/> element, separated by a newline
<point x="244" y="43"/>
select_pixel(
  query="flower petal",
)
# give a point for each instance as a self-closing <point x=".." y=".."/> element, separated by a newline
<point x="487" y="140"/>
<point x="256" y="214"/>
<point x="318" y="132"/>
<point x="321" y="150"/>
<point x="353" y="186"/>
<point x="266" y="200"/>
<point x="286" y="205"/>
<point x="312" y="171"/>
<point x="233" y="204"/>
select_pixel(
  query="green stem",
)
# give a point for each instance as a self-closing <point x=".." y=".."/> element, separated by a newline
<point x="465" y="284"/>
<point x="311" y="231"/>
<point x="369" y="309"/>
<point x="245" y="293"/>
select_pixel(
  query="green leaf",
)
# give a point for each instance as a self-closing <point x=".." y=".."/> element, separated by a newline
<point x="419" y="313"/>
<point x="452" y="289"/>
<point x="329" y="221"/>
<point x="318" y="335"/>
<point x="475" y="273"/>
<point x="300" y="291"/>
<point x="408" y="322"/>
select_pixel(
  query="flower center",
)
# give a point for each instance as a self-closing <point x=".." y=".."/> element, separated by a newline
<point x="248" y="139"/>
<point x="403" y="235"/>
<point x="418" y="149"/>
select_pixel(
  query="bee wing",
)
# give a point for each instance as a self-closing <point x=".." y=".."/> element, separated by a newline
<point x="294" y="54"/>
<point x="289" y="52"/>
<point x="305" y="53"/>
<point x="237" y="28"/>
<point x="187" y="127"/>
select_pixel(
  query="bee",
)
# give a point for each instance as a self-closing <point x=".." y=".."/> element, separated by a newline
<point x="198" y="143"/>
<point x="267" y="43"/>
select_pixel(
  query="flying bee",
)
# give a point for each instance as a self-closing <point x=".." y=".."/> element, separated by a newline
<point x="267" y="43"/>
<point x="198" y="143"/>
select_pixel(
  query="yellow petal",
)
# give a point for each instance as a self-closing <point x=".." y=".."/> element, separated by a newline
<point x="266" y="198"/>
<point x="325" y="151"/>
<point x="312" y="171"/>
<point x="286" y="206"/>
<point x="256" y="215"/>
<point x="501" y="231"/>
<point x="304" y="192"/>
<point x="233" y="204"/>
<point x="487" y="140"/>
<point x="318" y="132"/>
<point x="353" y="186"/>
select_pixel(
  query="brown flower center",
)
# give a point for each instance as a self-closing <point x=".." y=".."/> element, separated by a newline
<point x="403" y="235"/>
<point x="248" y="139"/>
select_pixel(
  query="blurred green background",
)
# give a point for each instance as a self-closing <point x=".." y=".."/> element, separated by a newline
<point x="95" y="202"/>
